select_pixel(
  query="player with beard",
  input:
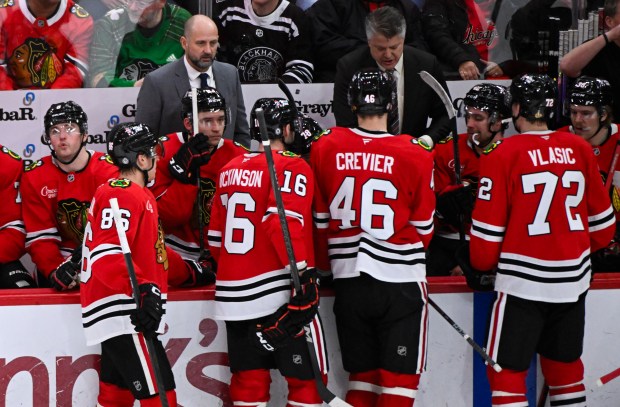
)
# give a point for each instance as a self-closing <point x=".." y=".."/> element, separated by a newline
<point x="56" y="193"/>
<point x="487" y="109"/>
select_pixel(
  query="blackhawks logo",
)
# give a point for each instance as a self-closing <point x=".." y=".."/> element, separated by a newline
<point x="492" y="147"/>
<point x="71" y="218"/>
<point x="35" y="64"/>
<point x="205" y="198"/>
<point x="160" y="247"/>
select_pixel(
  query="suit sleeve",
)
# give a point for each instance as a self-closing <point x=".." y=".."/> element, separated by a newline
<point x="12" y="233"/>
<point x="342" y="110"/>
<point x="242" y="130"/>
<point x="149" y="104"/>
<point x="440" y="123"/>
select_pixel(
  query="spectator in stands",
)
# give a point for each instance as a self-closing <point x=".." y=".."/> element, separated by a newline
<point x="43" y="44"/>
<point x="599" y="57"/>
<point x="12" y="233"/>
<point x="135" y="39"/>
<point x="159" y="100"/>
<point x="265" y="40"/>
<point x="385" y="28"/>
<point x="460" y="34"/>
<point x="98" y="8"/>
<point x="56" y="192"/>
<point x="338" y="28"/>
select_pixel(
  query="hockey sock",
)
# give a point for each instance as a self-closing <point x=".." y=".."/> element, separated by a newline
<point x="302" y="393"/>
<point x="250" y="388"/>
<point x="111" y="395"/>
<point x="565" y="381"/>
<point x="154" y="401"/>
<point x="364" y="389"/>
<point x="507" y="387"/>
<point x="397" y="389"/>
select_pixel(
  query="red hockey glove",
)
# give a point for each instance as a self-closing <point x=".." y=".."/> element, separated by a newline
<point x="66" y="276"/>
<point x="455" y="200"/>
<point x="194" y="153"/>
<point x="476" y="280"/>
<point x="147" y="317"/>
<point x="201" y="272"/>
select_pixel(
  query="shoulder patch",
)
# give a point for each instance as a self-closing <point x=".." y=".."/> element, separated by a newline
<point x="445" y="140"/>
<point x="286" y="153"/>
<point x="492" y="147"/>
<point x="120" y="183"/>
<point x="11" y="153"/>
<point x="79" y="11"/>
<point x="7" y="3"/>
<point x="421" y="143"/>
<point x="237" y="144"/>
<point x="34" y="165"/>
<point x="326" y="132"/>
<point x="106" y="158"/>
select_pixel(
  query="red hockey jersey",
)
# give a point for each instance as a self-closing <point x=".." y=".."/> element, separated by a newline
<point x="12" y="232"/>
<point x="54" y="205"/>
<point x="374" y="203"/>
<point x="177" y="201"/>
<point x="105" y="292"/>
<point x="245" y="236"/>
<point x="541" y="209"/>
<point x="43" y="53"/>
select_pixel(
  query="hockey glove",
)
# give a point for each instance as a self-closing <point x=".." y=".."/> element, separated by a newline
<point x="147" y="317"/>
<point x="607" y="259"/>
<point x="476" y="280"/>
<point x="307" y="301"/>
<point x="66" y="276"/>
<point x="194" y="153"/>
<point x="14" y="275"/>
<point x="201" y="272"/>
<point x="455" y="200"/>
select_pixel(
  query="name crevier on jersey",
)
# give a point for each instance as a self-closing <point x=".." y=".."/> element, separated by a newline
<point x="364" y="162"/>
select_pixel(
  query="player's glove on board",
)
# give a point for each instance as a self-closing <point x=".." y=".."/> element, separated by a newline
<point x="147" y="317"/>
<point x="455" y="200"/>
<point x="202" y="272"/>
<point x="476" y="280"/>
<point x="66" y="276"/>
<point x="185" y="165"/>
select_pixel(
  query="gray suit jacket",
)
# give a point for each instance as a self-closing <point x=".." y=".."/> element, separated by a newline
<point x="159" y="99"/>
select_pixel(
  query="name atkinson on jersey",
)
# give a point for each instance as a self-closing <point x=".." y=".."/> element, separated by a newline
<point x="244" y="178"/>
<point x="365" y="161"/>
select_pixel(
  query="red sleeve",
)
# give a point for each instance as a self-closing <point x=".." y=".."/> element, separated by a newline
<point x="214" y="235"/>
<point x="601" y="217"/>
<point x="12" y="234"/>
<point x="178" y="272"/>
<point x="320" y="213"/>
<point x="423" y="204"/>
<point x="443" y="174"/>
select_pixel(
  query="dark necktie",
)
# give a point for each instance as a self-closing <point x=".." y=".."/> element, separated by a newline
<point x="204" y="80"/>
<point x="393" y="119"/>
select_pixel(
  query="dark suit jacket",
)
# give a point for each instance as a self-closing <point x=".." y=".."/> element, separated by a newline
<point x="159" y="99"/>
<point x="421" y="102"/>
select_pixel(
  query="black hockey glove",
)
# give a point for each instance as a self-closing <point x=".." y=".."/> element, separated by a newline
<point x="15" y="275"/>
<point x="476" y="280"/>
<point x="201" y="272"/>
<point x="288" y="322"/>
<point x="194" y="153"/>
<point x="66" y="276"/>
<point x="147" y="316"/>
<point x="607" y="259"/>
<point x="455" y="200"/>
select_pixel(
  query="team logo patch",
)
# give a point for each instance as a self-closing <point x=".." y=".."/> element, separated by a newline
<point x="11" y="153"/>
<point x="107" y="159"/>
<point x="241" y="145"/>
<point x="260" y="64"/>
<point x="79" y="11"/>
<point x="34" y="165"/>
<point x="120" y="183"/>
<point x="34" y="64"/>
<point x="71" y="218"/>
<point x="207" y="190"/>
<point x="401" y="350"/>
<point x="421" y="143"/>
<point x="288" y="154"/>
<point x="160" y="248"/>
<point x="492" y="147"/>
<point x="446" y="140"/>
<point x="297" y="359"/>
<point x="137" y="69"/>
<point x="7" y="3"/>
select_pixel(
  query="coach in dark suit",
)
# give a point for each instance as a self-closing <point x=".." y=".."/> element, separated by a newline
<point x="417" y="101"/>
<point x="159" y="99"/>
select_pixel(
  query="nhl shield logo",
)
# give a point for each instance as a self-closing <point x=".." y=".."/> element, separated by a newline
<point x="137" y="385"/>
<point x="297" y="359"/>
<point x="401" y="351"/>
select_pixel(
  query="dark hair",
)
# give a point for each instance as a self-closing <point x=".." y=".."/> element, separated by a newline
<point x="610" y="8"/>
<point x="386" y="21"/>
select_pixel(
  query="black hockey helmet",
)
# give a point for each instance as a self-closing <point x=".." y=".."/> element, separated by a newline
<point x="278" y="113"/>
<point x="309" y="131"/>
<point x="490" y="98"/>
<point x="127" y="140"/>
<point x="536" y="96"/>
<point x="65" y="112"/>
<point x="370" y="92"/>
<point x="588" y="91"/>
<point x="208" y="100"/>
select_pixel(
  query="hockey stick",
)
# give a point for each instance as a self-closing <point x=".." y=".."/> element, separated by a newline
<point x="612" y="167"/>
<point x="326" y="395"/>
<point x="201" y="232"/>
<point x="150" y="346"/>
<point x="445" y="99"/>
<point x="542" y="400"/>
<point x="468" y="338"/>
<point x="603" y="380"/>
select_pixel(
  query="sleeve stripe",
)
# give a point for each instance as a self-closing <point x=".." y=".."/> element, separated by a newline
<point x="601" y="221"/>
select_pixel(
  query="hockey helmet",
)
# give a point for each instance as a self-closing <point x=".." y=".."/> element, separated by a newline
<point x="588" y="91"/>
<point x="208" y="100"/>
<point x="535" y="95"/>
<point x="278" y="113"/>
<point x="65" y="112"/>
<point x="370" y="92"/>
<point x="309" y="131"/>
<point x="127" y="140"/>
<point x="490" y="98"/>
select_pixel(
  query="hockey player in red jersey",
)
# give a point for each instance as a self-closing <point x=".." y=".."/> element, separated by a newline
<point x="374" y="205"/>
<point x="191" y="159"/>
<point x="108" y="307"/>
<point x="12" y="232"/>
<point x="487" y="107"/>
<point x="541" y="210"/>
<point x="264" y="323"/>
<point x="43" y="44"/>
<point x="589" y="105"/>
<point x="56" y="192"/>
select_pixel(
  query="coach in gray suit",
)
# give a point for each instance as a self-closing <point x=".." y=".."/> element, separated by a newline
<point x="159" y="99"/>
